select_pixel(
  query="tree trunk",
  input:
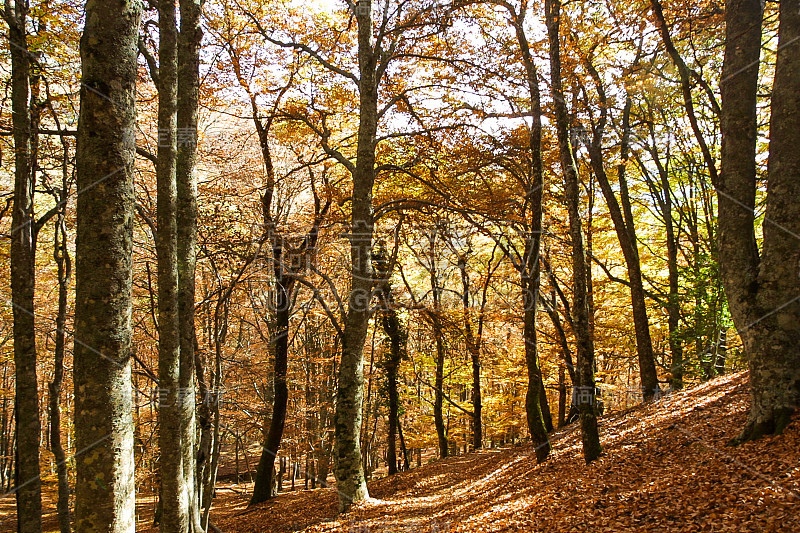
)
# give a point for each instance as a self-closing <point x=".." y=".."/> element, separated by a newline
<point x="104" y="495"/>
<point x="758" y="286"/>
<point x="391" y="451"/>
<point x="562" y="397"/>
<point x="622" y="217"/>
<point x="722" y="352"/>
<point x="174" y="497"/>
<point x="583" y="338"/>
<point x="438" y="335"/>
<point x="473" y="343"/>
<point x="23" y="273"/>
<point x="351" y="484"/>
<point x="262" y="490"/>
<point x="673" y="300"/>
<point x="189" y="39"/>
<point x="403" y="448"/>
<point x="544" y="405"/>
<point x="396" y="336"/>
<point x="529" y="267"/>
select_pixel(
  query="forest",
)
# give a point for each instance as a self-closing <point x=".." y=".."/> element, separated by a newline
<point x="275" y="265"/>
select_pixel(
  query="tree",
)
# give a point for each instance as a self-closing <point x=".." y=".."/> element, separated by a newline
<point x="350" y="481"/>
<point x="61" y="255"/>
<point x="625" y="227"/>
<point x="378" y="42"/>
<point x="189" y="39"/>
<point x="473" y="335"/>
<point x="174" y="495"/>
<point x="104" y="494"/>
<point x="396" y="335"/>
<point x="526" y="166"/>
<point x="23" y="273"/>
<point x="585" y="345"/>
<point x="434" y="315"/>
<point x="529" y="266"/>
<point x="763" y="286"/>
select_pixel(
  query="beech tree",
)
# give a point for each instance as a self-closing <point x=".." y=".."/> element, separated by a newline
<point x="174" y="496"/>
<point x="586" y="397"/>
<point x="25" y="126"/>
<point x="624" y="225"/>
<point x="378" y="42"/>
<point x="397" y="337"/>
<point x="380" y="187"/>
<point x="762" y="285"/>
<point x="104" y="490"/>
<point x="188" y="83"/>
<point x="525" y="164"/>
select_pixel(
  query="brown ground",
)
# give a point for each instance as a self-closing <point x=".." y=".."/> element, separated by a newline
<point x="666" y="468"/>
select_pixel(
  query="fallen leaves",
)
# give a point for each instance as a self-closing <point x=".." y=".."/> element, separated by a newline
<point x="666" y="468"/>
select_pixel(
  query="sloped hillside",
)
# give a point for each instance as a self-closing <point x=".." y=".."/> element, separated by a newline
<point x="666" y="468"/>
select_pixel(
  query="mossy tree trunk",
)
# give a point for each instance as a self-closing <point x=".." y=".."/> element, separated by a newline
<point x="189" y="39"/>
<point x="104" y="489"/>
<point x="763" y="286"/>
<point x="27" y="483"/>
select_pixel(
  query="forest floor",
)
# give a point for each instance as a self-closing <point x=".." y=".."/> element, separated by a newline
<point x="666" y="467"/>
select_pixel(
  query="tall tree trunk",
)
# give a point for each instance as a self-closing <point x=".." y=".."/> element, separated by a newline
<point x="262" y="489"/>
<point x="104" y="494"/>
<point x="673" y="299"/>
<point x="661" y="193"/>
<point x="529" y="268"/>
<point x="284" y="269"/>
<point x="23" y="273"/>
<point x="174" y="497"/>
<point x="209" y="414"/>
<point x="351" y="484"/>
<point x="758" y="287"/>
<point x="583" y="338"/>
<point x="189" y="39"/>
<point x="326" y="429"/>
<point x="391" y="449"/>
<point x="622" y="217"/>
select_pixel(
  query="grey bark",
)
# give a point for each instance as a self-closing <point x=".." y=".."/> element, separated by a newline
<point x="351" y="484"/>
<point x="189" y="39"/>
<point x="23" y="272"/>
<point x="174" y="498"/>
<point x="762" y="288"/>
<point x="104" y="495"/>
